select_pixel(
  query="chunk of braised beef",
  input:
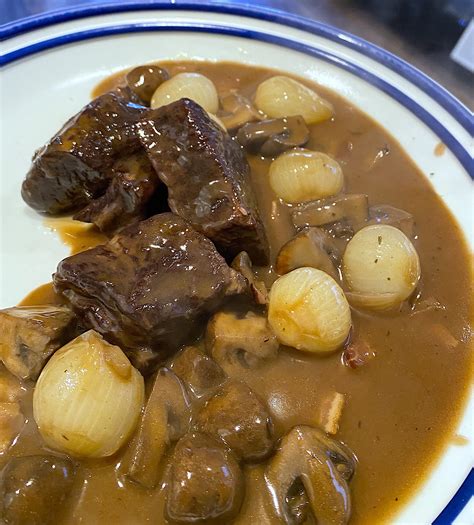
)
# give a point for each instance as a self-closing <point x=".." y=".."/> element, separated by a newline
<point x="207" y="176"/>
<point x="206" y="483"/>
<point x="74" y="166"/>
<point x="125" y="201"/>
<point x="151" y="287"/>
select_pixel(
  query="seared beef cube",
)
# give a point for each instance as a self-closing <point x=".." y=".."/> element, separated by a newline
<point x="30" y="334"/>
<point x="207" y="177"/>
<point x="134" y="182"/>
<point x="150" y="287"/>
<point x="74" y="166"/>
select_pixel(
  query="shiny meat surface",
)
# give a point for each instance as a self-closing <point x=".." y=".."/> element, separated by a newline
<point x="74" y="166"/>
<point x="207" y="177"/>
<point x="151" y="286"/>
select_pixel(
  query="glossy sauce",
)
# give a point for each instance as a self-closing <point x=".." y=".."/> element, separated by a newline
<point x="402" y="407"/>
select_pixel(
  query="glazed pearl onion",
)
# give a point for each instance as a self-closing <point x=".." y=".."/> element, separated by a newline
<point x="308" y="311"/>
<point x="194" y="86"/>
<point x="301" y="175"/>
<point x="282" y="96"/>
<point x="381" y="267"/>
<point x="88" y="398"/>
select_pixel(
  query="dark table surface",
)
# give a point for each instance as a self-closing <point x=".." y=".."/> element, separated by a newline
<point x="396" y="25"/>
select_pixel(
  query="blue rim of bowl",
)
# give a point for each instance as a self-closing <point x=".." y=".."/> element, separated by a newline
<point x="466" y="490"/>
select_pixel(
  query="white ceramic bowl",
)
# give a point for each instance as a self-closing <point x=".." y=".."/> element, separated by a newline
<point x="50" y="65"/>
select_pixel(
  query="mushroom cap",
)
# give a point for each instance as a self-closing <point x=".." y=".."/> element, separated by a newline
<point x="206" y="482"/>
<point x="237" y="417"/>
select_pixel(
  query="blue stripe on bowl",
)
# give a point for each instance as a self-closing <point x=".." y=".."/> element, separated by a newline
<point x="443" y="97"/>
<point x="466" y="490"/>
<point x="458" y="502"/>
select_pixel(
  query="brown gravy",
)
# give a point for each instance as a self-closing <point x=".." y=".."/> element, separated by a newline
<point x="402" y="407"/>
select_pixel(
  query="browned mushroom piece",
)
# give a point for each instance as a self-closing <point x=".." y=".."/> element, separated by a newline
<point x="243" y="264"/>
<point x="34" y="489"/>
<point x="386" y="214"/>
<point x="237" y="110"/>
<point x="165" y="419"/>
<point x="309" y="475"/>
<point x="350" y="207"/>
<point x="30" y="334"/>
<point x="272" y="137"/>
<point x="310" y="247"/>
<point x="240" y="342"/>
<point x="238" y="417"/>
<point x="206" y="483"/>
<point x="199" y="372"/>
<point x="143" y="81"/>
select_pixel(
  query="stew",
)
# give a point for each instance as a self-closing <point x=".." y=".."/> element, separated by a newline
<point x="265" y="317"/>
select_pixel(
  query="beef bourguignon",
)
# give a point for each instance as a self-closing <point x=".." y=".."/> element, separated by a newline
<point x="265" y="317"/>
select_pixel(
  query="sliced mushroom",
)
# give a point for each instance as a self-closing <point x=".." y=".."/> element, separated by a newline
<point x="311" y="247"/>
<point x="238" y="110"/>
<point x="30" y="334"/>
<point x="352" y="207"/>
<point x="385" y="214"/>
<point x="206" y="482"/>
<point x="240" y="419"/>
<point x="243" y="264"/>
<point x="240" y="342"/>
<point x="34" y="489"/>
<point x="272" y="137"/>
<point x="309" y="474"/>
<point x="11" y="424"/>
<point x="198" y="371"/>
<point x="165" y="419"/>
<point x="143" y="81"/>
